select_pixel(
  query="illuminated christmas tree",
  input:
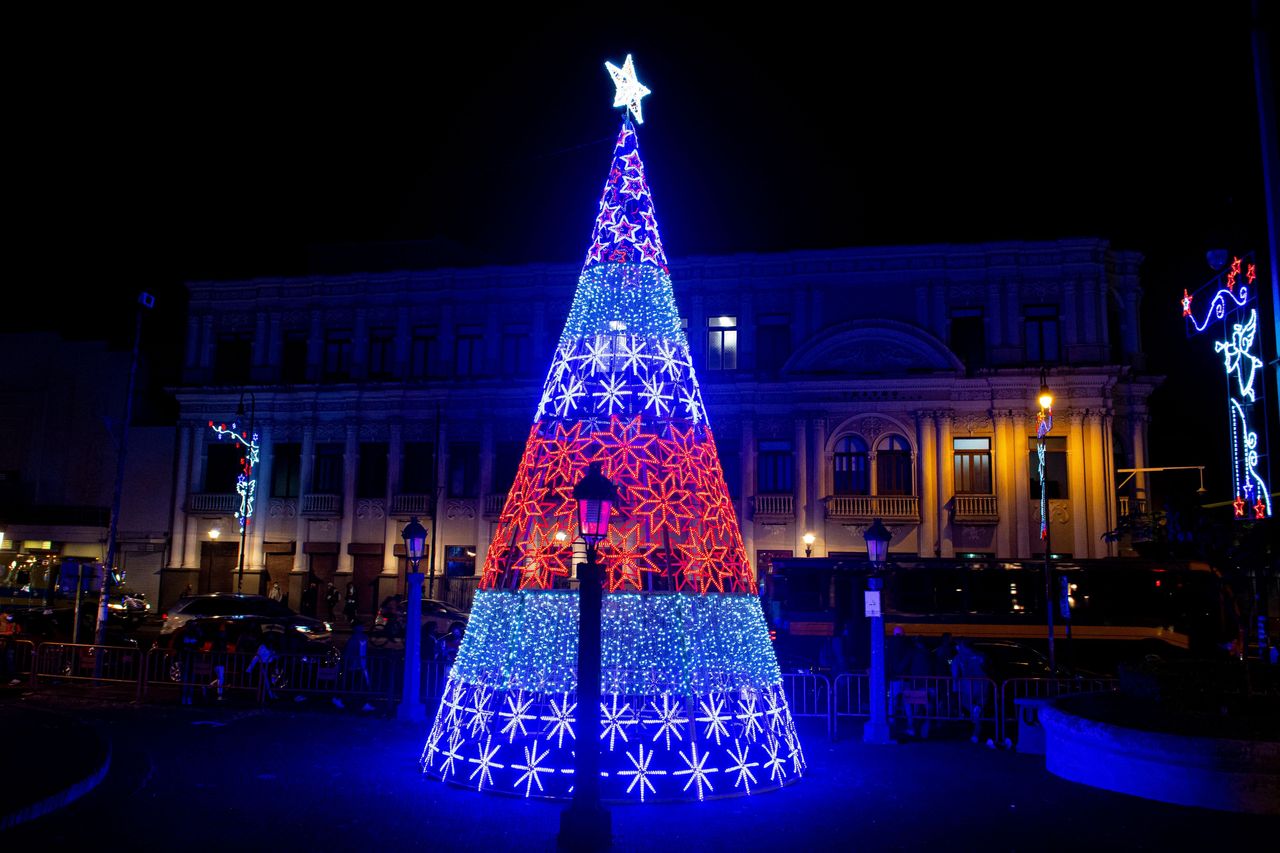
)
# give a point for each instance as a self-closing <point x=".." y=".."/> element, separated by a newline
<point x="692" y="700"/>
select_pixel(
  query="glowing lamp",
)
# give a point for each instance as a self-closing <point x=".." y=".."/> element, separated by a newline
<point x="595" y="495"/>
<point x="877" y="537"/>
<point x="808" y="544"/>
<point x="415" y="540"/>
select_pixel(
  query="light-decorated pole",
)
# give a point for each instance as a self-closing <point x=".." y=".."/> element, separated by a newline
<point x="1043" y="425"/>
<point x="245" y="438"/>
<point x="877" y="728"/>
<point x="586" y="824"/>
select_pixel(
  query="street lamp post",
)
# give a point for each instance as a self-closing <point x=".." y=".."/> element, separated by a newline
<point x="1045" y="423"/>
<point x="415" y="544"/>
<point x="808" y="544"/>
<point x="877" y="728"/>
<point x="586" y="824"/>
<point x="251" y="458"/>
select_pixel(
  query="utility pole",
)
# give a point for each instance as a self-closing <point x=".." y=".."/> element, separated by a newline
<point x="145" y="301"/>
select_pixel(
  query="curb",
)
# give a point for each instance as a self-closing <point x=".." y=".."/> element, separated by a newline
<point x="63" y="798"/>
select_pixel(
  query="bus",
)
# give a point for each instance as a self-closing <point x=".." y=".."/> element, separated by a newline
<point x="1112" y="609"/>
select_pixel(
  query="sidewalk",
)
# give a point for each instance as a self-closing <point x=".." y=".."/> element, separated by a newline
<point x="284" y="780"/>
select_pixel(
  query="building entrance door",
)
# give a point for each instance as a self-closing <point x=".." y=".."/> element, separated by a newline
<point x="366" y="569"/>
<point x="323" y="568"/>
<point x="218" y="564"/>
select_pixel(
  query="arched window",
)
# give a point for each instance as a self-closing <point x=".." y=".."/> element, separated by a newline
<point x="893" y="466"/>
<point x="851" y="472"/>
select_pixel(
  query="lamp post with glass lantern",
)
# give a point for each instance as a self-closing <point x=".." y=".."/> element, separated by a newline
<point x="415" y="545"/>
<point x="1044" y="424"/>
<point x="877" y="728"/>
<point x="586" y="824"/>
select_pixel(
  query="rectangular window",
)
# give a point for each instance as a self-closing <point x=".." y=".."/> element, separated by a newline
<point x="222" y="466"/>
<point x="773" y="343"/>
<point x="1041" y="326"/>
<point x="464" y="470"/>
<point x="418" y="468"/>
<point x="382" y="353"/>
<point x="371" y="476"/>
<point x="293" y="358"/>
<point x="468" y="353"/>
<point x="851" y="470"/>
<point x="423" y="353"/>
<point x="1055" y="467"/>
<point x="722" y="343"/>
<point x="506" y="464"/>
<point x="460" y="560"/>
<point x="231" y="359"/>
<point x="774" y="467"/>
<point x="893" y="470"/>
<point x="972" y="466"/>
<point x="517" y="352"/>
<point x="326" y="478"/>
<point x="968" y="338"/>
<point x="286" y="470"/>
<point x="337" y="356"/>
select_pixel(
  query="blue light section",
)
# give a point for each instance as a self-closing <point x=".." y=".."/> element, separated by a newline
<point x="651" y="644"/>
<point x="633" y="297"/>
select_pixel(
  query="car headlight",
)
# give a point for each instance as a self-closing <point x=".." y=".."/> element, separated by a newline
<point x="111" y="606"/>
<point x="328" y="627"/>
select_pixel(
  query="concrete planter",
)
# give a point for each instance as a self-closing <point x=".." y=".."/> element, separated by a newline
<point x="1216" y="773"/>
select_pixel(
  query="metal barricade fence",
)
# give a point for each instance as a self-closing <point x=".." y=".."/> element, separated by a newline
<point x="925" y="698"/>
<point x="851" y="697"/>
<point x="808" y="695"/>
<point x="68" y="662"/>
<point x="1045" y="688"/>
<point x="17" y="659"/>
<point x="197" y="674"/>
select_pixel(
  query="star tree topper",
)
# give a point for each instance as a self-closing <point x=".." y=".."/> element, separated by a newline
<point x="630" y="90"/>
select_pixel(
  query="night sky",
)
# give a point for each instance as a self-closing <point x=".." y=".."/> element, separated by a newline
<point x="228" y="148"/>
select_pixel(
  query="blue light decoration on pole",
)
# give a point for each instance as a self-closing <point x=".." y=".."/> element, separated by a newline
<point x="688" y="701"/>
<point x="415" y="545"/>
<point x="1044" y="423"/>
<point x="1230" y="315"/>
<point x="876" y="729"/>
<point x="245" y="484"/>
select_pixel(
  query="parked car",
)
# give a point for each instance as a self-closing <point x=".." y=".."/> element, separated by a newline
<point x="438" y="613"/>
<point x="1011" y="659"/>
<point x="235" y="607"/>
<point x="297" y="653"/>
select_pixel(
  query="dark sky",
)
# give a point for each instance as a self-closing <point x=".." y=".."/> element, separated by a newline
<point x="152" y="151"/>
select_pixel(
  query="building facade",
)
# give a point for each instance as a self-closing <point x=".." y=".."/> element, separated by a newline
<point x="842" y="385"/>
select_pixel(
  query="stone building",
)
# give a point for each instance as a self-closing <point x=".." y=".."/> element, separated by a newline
<point x="843" y="385"/>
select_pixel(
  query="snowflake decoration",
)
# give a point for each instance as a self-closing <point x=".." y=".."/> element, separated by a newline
<point x="749" y="715"/>
<point x="630" y="349"/>
<point x="692" y="401"/>
<point x="485" y="763"/>
<point x="531" y="769"/>
<point x="480" y="712"/>
<point x="696" y="770"/>
<point x="452" y="758"/>
<point x="616" y="721"/>
<point x="714" y="719"/>
<point x="741" y="766"/>
<point x="654" y="398"/>
<point x="597" y="355"/>
<point x="568" y="396"/>
<point x="433" y="743"/>
<point x="642" y="772"/>
<point x="776" y="711"/>
<point x="516" y="714"/>
<point x="667" y="719"/>
<point x="669" y="361"/>
<point x="562" y="720"/>
<point x="775" y="764"/>
<point x="793" y="751"/>
<point x="611" y="392"/>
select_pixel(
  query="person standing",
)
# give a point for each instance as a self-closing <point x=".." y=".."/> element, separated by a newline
<point x="355" y="664"/>
<point x="331" y="600"/>
<point x="969" y="670"/>
<point x="349" y="605"/>
<point x="275" y="594"/>
<point x="309" y="596"/>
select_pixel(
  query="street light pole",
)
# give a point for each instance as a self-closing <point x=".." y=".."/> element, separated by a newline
<point x="1045" y="423"/>
<point x="411" y="708"/>
<point x="244" y="522"/>
<point x="586" y="824"/>
<point x="877" y="728"/>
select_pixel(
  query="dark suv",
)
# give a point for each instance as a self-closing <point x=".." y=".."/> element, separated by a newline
<point x="257" y="609"/>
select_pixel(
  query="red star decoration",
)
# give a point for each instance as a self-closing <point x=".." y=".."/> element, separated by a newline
<point x="625" y="230"/>
<point x="1186" y="303"/>
<point x="703" y="562"/>
<point x="565" y="456"/>
<point x="1231" y="281"/>
<point x="1238" y="503"/>
<point x="627" y="558"/>
<point x="625" y="449"/>
<point x="618" y="256"/>
<point x="662" y="504"/>
<point x="1259" y="509"/>
<point x="632" y="162"/>
<point x="545" y="557"/>
<point x="1251" y="274"/>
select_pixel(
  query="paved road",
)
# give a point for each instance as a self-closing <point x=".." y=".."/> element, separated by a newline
<point x="321" y="779"/>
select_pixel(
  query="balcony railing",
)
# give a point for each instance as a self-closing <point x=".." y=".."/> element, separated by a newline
<point x="979" y="509"/>
<point x="783" y="505"/>
<point x="322" y="504"/>
<point x="420" y="505"/>
<point x="1134" y="506"/>
<point x="222" y="504"/>
<point x="493" y="504"/>
<point x="896" y="507"/>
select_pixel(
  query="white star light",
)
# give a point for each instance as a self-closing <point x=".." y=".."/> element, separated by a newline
<point x="775" y="764"/>
<point x="531" y="770"/>
<point x="561" y="719"/>
<point x="741" y="766"/>
<point x="653" y="396"/>
<point x="715" y="719"/>
<point x="615" y="721"/>
<point x="697" y="770"/>
<point x="611" y="392"/>
<point x="642" y="772"/>
<point x="486" y="763"/>
<point x="629" y="89"/>
<point x="667" y="719"/>
<point x="517" y="713"/>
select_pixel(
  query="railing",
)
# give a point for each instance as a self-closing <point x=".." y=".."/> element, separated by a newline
<point x="223" y="504"/>
<point x="895" y="507"/>
<point x="1136" y="506"/>
<point x="17" y="659"/>
<point x="70" y="662"/>
<point x="421" y="505"/>
<point x="322" y="504"/>
<point x="976" y="508"/>
<point x="808" y="695"/>
<point x="493" y="504"/>
<point x="775" y="505"/>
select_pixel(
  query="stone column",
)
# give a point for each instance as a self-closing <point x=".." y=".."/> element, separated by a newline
<point x="927" y="441"/>
<point x="820" y="483"/>
<point x="350" y="459"/>
<point x="946" y="484"/>
<point x="441" y="501"/>
<point x="1077" y="487"/>
<point x="1109" y="476"/>
<point x="1022" y="497"/>
<point x="1005" y="481"/>
<point x="391" y="536"/>
<point x="191" y="553"/>
<point x="306" y="460"/>
<point x="1138" y="435"/>
<point x="178" y="526"/>
<point x="1097" y="497"/>
<point x="255" y="560"/>
<point x="801" y="485"/>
